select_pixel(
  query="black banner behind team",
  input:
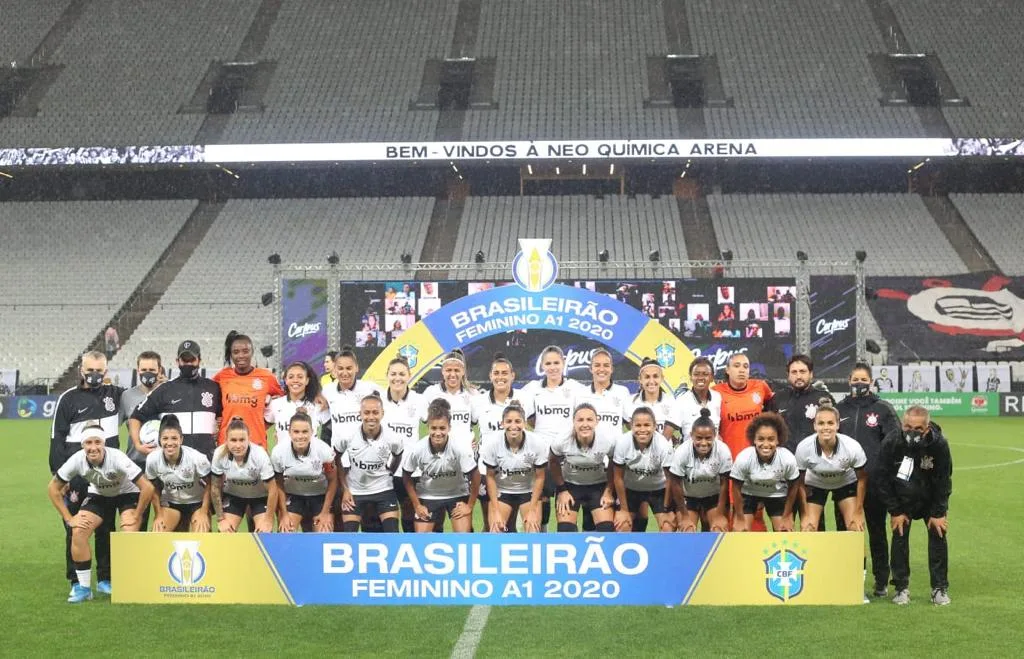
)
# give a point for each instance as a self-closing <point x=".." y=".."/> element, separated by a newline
<point x="833" y="301"/>
<point x="970" y="317"/>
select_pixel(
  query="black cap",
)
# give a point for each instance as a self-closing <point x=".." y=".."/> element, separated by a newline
<point x="188" y="347"/>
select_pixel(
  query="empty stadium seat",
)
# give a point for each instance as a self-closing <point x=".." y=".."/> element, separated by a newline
<point x="998" y="222"/>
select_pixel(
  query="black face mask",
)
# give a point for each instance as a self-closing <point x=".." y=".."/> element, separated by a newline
<point x="189" y="371"/>
<point x="93" y="379"/>
<point x="860" y="388"/>
<point x="147" y="379"/>
<point x="913" y="437"/>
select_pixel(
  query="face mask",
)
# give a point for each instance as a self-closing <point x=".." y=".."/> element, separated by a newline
<point x="913" y="437"/>
<point x="147" y="379"/>
<point x="860" y="388"/>
<point x="188" y="371"/>
<point x="93" y="379"/>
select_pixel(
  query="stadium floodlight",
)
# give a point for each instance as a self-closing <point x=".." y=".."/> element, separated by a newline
<point x="480" y="257"/>
<point x="727" y="255"/>
<point x="333" y="259"/>
<point x="861" y="255"/>
<point x="274" y="259"/>
<point x="267" y="351"/>
<point x="801" y="256"/>
<point x="603" y="255"/>
<point x="872" y="346"/>
<point x="267" y="299"/>
<point x="654" y="256"/>
<point x="406" y="258"/>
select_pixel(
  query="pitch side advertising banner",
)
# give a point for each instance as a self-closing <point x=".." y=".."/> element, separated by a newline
<point x="833" y="301"/>
<point x="969" y="317"/>
<point x="947" y="404"/>
<point x="27" y="407"/>
<point x="304" y="321"/>
<point x="668" y="569"/>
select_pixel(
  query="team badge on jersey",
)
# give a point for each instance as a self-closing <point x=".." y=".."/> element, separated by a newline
<point x="411" y="354"/>
<point x="383" y="451"/>
<point x="108" y="404"/>
<point x="756" y="397"/>
<point x="410" y="411"/>
<point x="927" y="462"/>
<point x="784" y="574"/>
<point x="534" y="268"/>
<point x="257" y="384"/>
<point x="206" y="399"/>
<point x="871" y="420"/>
<point x="666" y="355"/>
<point x="811" y="410"/>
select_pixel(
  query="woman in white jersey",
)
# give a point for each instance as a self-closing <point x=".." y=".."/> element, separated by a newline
<point x="488" y="407"/>
<point x="403" y="409"/>
<point x="609" y="399"/>
<point x="448" y="480"/>
<point x="516" y="460"/>
<point x="699" y="478"/>
<point x="302" y="387"/>
<point x="458" y="392"/>
<point x="579" y="469"/>
<point x="765" y="474"/>
<point x="368" y="458"/>
<point x="641" y="458"/>
<point x="243" y="482"/>
<point x="831" y="462"/>
<point x="692" y="403"/>
<point x="345" y="396"/>
<point x="652" y="396"/>
<point x="305" y="473"/>
<point x="181" y="477"/>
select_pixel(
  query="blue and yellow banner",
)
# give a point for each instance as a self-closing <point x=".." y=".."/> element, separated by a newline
<point x="669" y="569"/>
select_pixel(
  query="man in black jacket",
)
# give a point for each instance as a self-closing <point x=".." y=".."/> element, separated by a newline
<point x="870" y="420"/>
<point x="90" y="403"/>
<point x="916" y="481"/>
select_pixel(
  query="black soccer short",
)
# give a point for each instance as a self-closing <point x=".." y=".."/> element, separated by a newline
<point x="774" y="506"/>
<point x="818" y="495"/>
<point x="654" y="499"/>
<point x="587" y="497"/>
<point x="107" y="508"/>
<point x="514" y="500"/>
<point x="399" y="486"/>
<point x="186" y="509"/>
<point x="236" y="505"/>
<point x="439" y="507"/>
<point x="384" y="502"/>
<point x="702" y="504"/>
<point x="306" y="505"/>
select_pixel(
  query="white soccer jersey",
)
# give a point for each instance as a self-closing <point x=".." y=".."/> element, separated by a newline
<point x="367" y="460"/>
<point x="514" y="470"/>
<point x="247" y="480"/>
<point x="182" y="482"/>
<point x="688" y="410"/>
<point x="462" y="411"/>
<point x="643" y="471"/>
<point x="552" y="408"/>
<point x="345" y="405"/>
<point x="402" y="417"/>
<point x="665" y="410"/>
<point x="702" y="477"/>
<point x="304" y="475"/>
<point x="585" y="465"/>
<point x="281" y="410"/>
<point x="442" y="474"/>
<point x="116" y="475"/>
<point x="487" y="412"/>
<point x="610" y="404"/>
<point x="830" y="472"/>
<point x="770" y="480"/>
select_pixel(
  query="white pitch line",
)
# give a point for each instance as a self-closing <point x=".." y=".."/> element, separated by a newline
<point x="990" y="466"/>
<point x="472" y="632"/>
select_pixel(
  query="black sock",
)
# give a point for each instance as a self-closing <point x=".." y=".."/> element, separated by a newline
<point x="389" y="525"/>
<point x="566" y="527"/>
<point x="408" y="526"/>
<point x="545" y="513"/>
<point x="588" y="520"/>
<point x="83" y="565"/>
<point x="350" y="527"/>
<point x="639" y="525"/>
<point x="604" y="527"/>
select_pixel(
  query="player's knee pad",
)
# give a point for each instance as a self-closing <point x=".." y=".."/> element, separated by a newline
<point x="566" y="527"/>
<point x="605" y="527"/>
<point x="350" y="527"/>
<point x="389" y="525"/>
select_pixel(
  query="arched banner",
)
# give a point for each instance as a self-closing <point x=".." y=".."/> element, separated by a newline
<point x="534" y="302"/>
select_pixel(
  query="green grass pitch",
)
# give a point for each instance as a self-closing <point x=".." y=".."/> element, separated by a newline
<point x="986" y="582"/>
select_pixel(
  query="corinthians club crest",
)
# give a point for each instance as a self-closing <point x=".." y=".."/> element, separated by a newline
<point x="534" y="268"/>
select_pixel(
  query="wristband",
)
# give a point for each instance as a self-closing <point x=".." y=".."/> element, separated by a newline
<point x="561" y="488"/>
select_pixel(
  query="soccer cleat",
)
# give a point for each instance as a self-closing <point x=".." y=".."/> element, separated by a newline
<point x="103" y="587"/>
<point x="79" y="593"/>
<point x="940" y="597"/>
<point x="902" y="597"/>
<point x="881" y="590"/>
<point x="867" y="600"/>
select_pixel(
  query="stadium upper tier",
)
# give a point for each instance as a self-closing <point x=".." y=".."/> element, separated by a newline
<point x="580" y="227"/>
<point x="68" y="267"/>
<point x="350" y="71"/>
<point x="998" y="222"/>
<point x="896" y="230"/>
<point x="219" y="288"/>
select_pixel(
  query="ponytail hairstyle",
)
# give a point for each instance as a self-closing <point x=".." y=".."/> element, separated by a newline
<point x="347" y="351"/>
<point x="312" y="380"/>
<point x="439" y="408"/>
<point x="236" y="423"/>
<point x="513" y="406"/>
<point x="457" y="355"/>
<point x="169" y="422"/>
<point x="647" y="361"/>
<point x="398" y="360"/>
<point x="704" y="421"/>
<point x="607" y="353"/>
<point x="500" y="358"/>
<point x="301" y="416"/>
<point x="371" y="397"/>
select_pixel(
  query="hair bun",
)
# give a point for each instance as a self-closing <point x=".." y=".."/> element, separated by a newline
<point x="440" y="403"/>
<point x="647" y="361"/>
<point x="346" y="348"/>
<point x="825" y="403"/>
<point x="458" y="351"/>
<point x="705" y="413"/>
<point x="499" y="355"/>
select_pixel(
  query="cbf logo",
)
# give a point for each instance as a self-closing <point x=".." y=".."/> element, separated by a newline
<point x="186" y="565"/>
<point x="666" y="355"/>
<point x="534" y="268"/>
<point x="411" y="354"/>
<point x="784" y="572"/>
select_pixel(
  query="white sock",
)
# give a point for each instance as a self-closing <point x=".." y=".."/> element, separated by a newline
<point x="84" y="577"/>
